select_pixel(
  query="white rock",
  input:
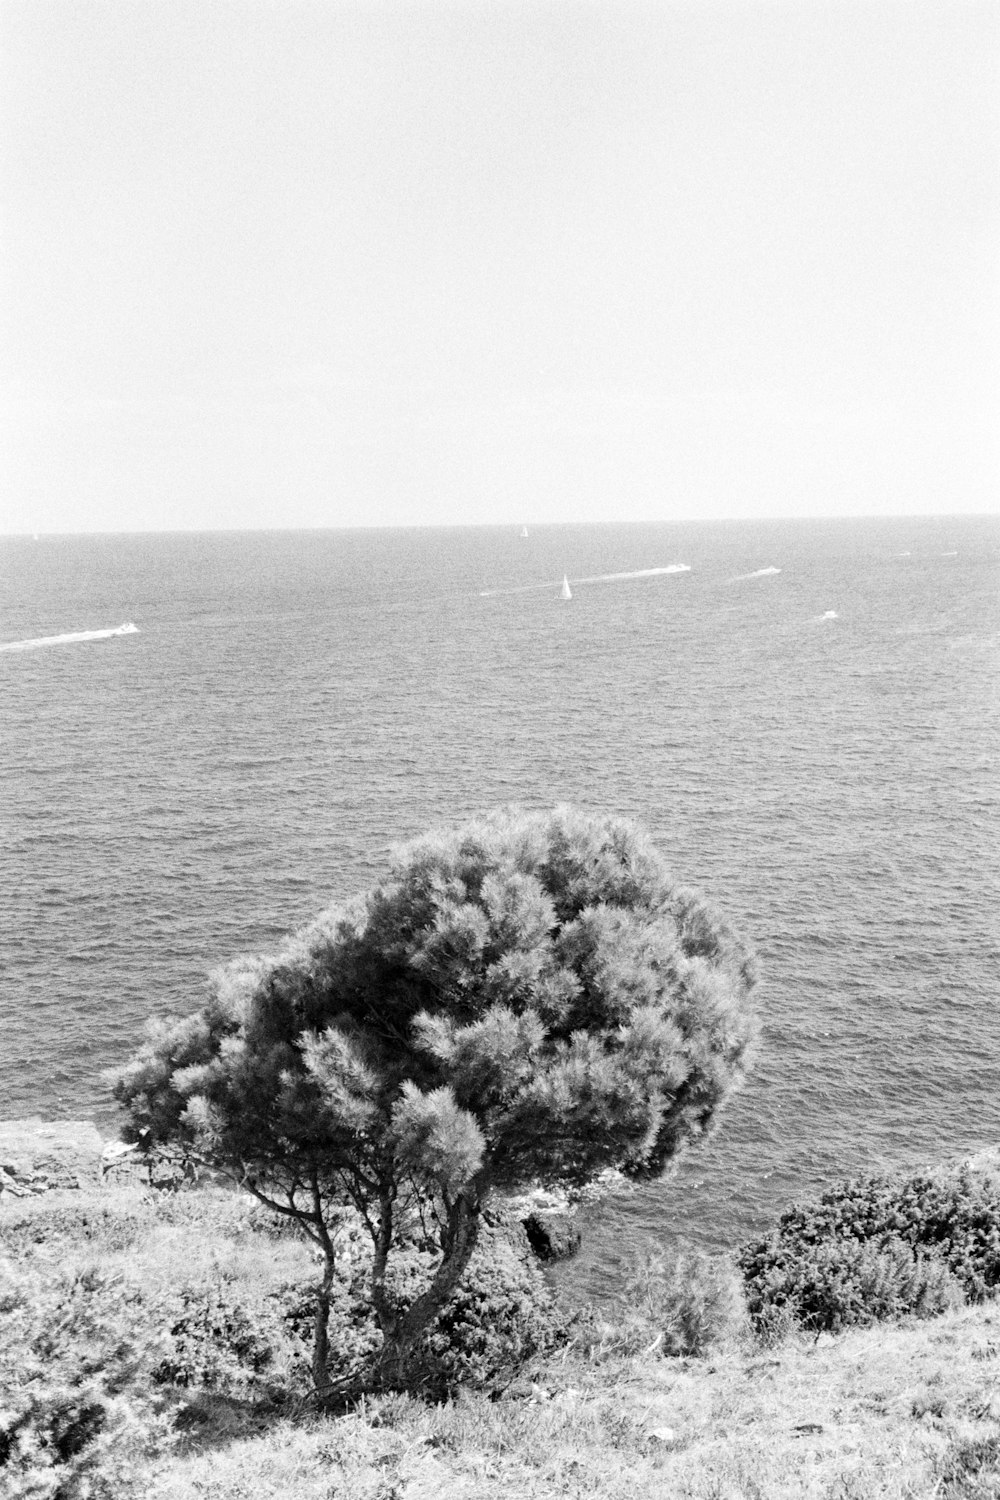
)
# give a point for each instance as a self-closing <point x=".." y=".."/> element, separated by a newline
<point x="39" y="1155"/>
<point x="116" y="1151"/>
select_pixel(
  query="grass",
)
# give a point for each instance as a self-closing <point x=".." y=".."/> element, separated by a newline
<point x="909" y="1409"/>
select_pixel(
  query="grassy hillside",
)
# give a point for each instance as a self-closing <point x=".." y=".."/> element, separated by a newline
<point x="901" y="1411"/>
<point x="146" y="1335"/>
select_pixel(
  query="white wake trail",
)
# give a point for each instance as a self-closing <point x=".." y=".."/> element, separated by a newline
<point x="528" y="588"/>
<point x="71" y="638"/>
<point x="637" y="573"/>
<point x="760" y="573"/>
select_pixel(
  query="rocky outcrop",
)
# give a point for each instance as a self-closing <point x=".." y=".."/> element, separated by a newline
<point x="552" y="1236"/>
<point x="548" y="1221"/>
<point x="37" y="1156"/>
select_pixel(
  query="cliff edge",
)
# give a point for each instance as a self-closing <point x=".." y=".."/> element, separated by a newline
<point x="37" y="1155"/>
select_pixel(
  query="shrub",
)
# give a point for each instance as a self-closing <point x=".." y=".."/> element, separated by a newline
<point x="965" y="1462"/>
<point x="221" y="1341"/>
<point x="500" y="1316"/>
<point x="878" y="1248"/>
<point x="74" y="1421"/>
<point x="110" y="1226"/>
<point x="353" y="1331"/>
<point x="87" y="1356"/>
<point x="677" y="1304"/>
<point x="845" y="1283"/>
<point x="200" y="1310"/>
<point x="688" y="1300"/>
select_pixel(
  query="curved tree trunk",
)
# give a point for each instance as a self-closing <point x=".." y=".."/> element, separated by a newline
<point x="392" y="1368"/>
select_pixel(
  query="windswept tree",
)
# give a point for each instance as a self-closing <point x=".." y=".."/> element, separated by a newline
<point x="528" y="999"/>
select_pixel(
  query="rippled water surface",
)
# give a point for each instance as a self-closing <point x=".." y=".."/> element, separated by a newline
<point x="816" y="747"/>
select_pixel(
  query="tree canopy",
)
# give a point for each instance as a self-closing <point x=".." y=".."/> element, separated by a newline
<point x="526" y="999"/>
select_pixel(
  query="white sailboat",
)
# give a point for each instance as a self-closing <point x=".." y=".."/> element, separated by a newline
<point x="524" y="531"/>
<point x="566" y="592"/>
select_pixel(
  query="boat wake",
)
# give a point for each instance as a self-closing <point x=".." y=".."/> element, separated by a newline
<point x="527" y="588"/>
<point x="760" y="573"/>
<point x="638" y="573"/>
<point x="71" y="638"/>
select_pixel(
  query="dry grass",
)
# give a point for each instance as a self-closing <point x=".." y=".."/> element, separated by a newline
<point x="893" y="1411"/>
<point x="155" y="1255"/>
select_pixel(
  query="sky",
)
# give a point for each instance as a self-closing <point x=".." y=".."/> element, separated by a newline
<point x="283" y="263"/>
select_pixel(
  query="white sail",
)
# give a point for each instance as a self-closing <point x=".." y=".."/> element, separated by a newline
<point x="567" y="592"/>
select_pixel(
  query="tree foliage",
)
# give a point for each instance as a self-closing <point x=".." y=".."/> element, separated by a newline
<point x="526" y="999"/>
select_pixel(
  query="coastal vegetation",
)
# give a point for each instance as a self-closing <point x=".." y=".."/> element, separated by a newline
<point x="526" y="1000"/>
<point x="878" y="1248"/>
<point x="315" y="1267"/>
<point x="152" y="1343"/>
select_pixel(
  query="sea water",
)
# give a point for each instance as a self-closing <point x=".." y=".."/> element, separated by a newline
<point x="804" y="714"/>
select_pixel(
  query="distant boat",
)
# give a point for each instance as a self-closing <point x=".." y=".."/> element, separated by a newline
<point x="524" y="531"/>
<point x="71" y="638"/>
<point x="567" y="592"/>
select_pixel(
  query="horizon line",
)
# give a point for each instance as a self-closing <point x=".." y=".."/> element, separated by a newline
<point x="501" y="525"/>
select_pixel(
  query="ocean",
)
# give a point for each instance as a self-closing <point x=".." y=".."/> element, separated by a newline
<point x="804" y="714"/>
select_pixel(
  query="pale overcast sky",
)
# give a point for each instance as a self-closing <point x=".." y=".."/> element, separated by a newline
<point x="324" y="264"/>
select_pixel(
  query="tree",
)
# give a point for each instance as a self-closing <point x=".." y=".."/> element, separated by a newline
<point x="526" y="999"/>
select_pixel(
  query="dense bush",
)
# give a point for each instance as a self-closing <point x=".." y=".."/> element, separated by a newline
<point x="500" y="1316"/>
<point x="111" y="1226"/>
<point x="876" y="1248"/>
<point x="214" y="1309"/>
<point x="218" y="1340"/>
<point x="74" y="1419"/>
<point x="845" y="1284"/>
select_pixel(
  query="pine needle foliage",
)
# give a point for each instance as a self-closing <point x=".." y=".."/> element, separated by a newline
<point x="528" y="998"/>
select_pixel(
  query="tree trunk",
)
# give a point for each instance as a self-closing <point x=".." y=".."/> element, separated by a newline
<point x="321" y="1316"/>
<point x="321" y="1329"/>
<point x="393" y="1367"/>
<point x="388" y="1319"/>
